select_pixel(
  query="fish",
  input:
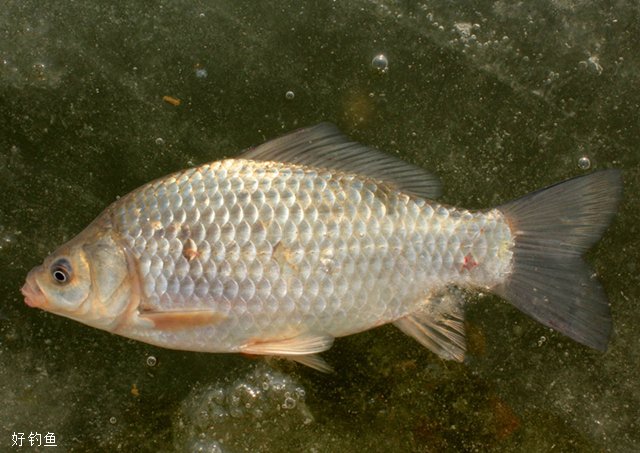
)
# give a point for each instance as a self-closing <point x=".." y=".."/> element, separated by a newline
<point x="312" y="236"/>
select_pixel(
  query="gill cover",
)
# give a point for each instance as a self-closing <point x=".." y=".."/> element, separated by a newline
<point x="87" y="279"/>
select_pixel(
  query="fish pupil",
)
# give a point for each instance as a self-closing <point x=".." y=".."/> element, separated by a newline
<point x="60" y="272"/>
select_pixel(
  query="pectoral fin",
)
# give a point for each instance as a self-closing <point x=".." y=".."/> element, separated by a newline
<point x="301" y="349"/>
<point x="438" y="325"/>
<point x="176" y="320"/>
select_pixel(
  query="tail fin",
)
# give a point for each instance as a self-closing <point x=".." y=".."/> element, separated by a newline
<point x="552" y="228"/>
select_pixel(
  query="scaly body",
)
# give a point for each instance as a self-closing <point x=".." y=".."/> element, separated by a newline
<point x="311" y="237"/>
<point x="283" y="249"/>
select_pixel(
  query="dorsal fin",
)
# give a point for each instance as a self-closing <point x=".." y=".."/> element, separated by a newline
<point x="324" y="146"/>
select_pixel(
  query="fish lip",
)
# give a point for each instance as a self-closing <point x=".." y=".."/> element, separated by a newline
<point x="33" y="295"/>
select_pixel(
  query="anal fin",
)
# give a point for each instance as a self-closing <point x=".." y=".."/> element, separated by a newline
<point x="438" y="325"/>
<point x="301" y="348"/>
<point x="312" y="361"/>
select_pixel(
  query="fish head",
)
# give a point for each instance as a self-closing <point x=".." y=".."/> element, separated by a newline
<point x="87" y="279"/>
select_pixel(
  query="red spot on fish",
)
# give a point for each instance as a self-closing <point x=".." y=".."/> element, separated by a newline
<point x="469" y="262"/>
<point x="190" y="254"/>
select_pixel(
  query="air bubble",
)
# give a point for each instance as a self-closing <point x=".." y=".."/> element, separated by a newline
<point x="39" y="70"/>
<point x="236" y="412"/>
<point x="152" y="361"/>
<point x="6" y="238"/>
<point x="289" y="95"/>
<point x="113" y="420"/>
<point x="159" y="141"/>
<point x="584" y="163"/>
<point x="289" y="403"/>
<point x="261" y="395"/>
<point x="593" y="64"/>
<point x="201" y="73"/>
<point x="380" y="63"/>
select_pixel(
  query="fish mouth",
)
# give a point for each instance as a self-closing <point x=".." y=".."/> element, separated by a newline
<point x="33" y="295"/>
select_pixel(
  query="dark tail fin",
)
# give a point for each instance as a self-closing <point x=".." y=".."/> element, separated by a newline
<point x="552" y="228"/>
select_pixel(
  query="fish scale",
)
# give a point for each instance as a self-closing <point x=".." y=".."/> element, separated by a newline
<point x="356" y="266"/>
<point x="311" y="236"/>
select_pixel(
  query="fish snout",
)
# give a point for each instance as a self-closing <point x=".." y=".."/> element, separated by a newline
<point x="33" y="295"/>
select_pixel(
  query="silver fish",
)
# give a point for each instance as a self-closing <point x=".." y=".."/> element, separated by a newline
<point x="310" y="237"/>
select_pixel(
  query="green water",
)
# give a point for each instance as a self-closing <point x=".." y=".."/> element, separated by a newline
<point x="497" y="98"/>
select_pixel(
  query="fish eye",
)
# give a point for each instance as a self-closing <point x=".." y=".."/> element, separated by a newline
<point x="61" y="271"/>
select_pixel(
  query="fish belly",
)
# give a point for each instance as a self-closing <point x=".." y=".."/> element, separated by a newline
<point x="278" y="250"/>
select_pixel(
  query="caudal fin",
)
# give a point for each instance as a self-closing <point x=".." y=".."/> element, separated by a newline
<point x="552" y="228"/>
